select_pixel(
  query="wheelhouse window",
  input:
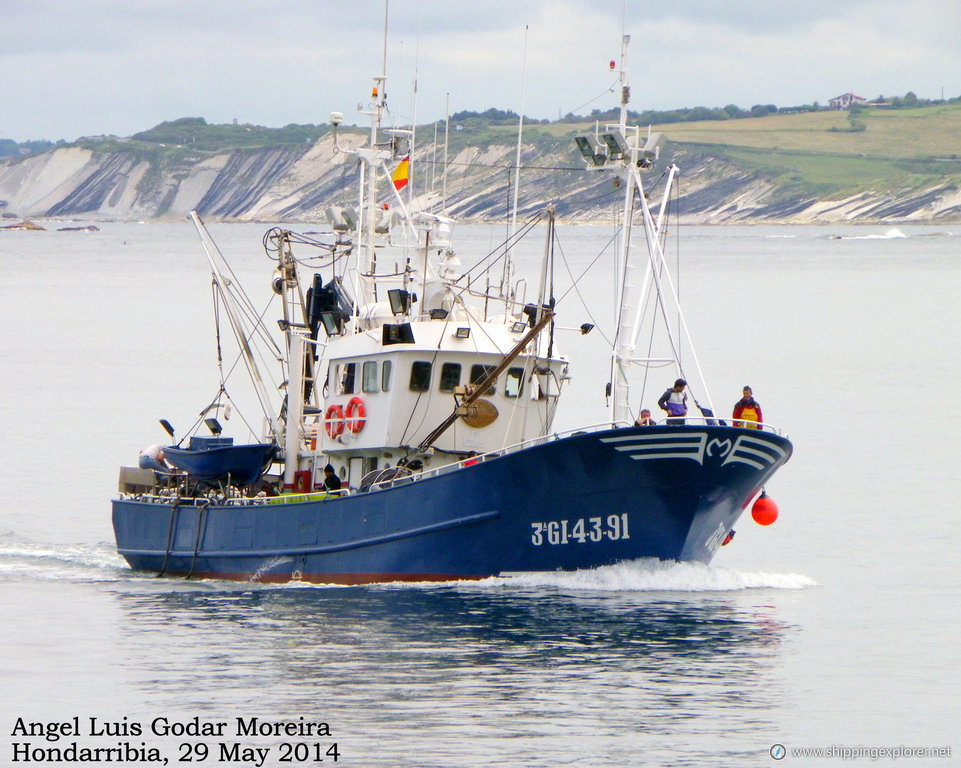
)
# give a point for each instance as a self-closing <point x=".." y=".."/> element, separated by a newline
<point x="449" y="377"/>
<point x="420" y="376"/>
<point x="370" y="382"/>
<point x="477" y="374"/>
<point x="346" y="373"/>
<point x="514" y="382"/>
<point x="385" y="376"/>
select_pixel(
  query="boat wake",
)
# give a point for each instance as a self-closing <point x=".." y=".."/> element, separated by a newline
<point x="892" y="234"/>
<point x="644" y="575"/>
<point x="649" y="575"/>
<point x="22" y="560"/>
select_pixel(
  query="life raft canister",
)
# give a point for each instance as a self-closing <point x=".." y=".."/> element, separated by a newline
<point x="334" y="421"/>
<point x="355" y="415"/>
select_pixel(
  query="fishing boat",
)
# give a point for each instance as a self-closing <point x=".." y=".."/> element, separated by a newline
<point x="431" y="391"/>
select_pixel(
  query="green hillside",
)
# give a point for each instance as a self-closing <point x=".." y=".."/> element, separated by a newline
<point x="821" y="152"/>
<point x="867" y="149"/>
<point x="876" y="132"/>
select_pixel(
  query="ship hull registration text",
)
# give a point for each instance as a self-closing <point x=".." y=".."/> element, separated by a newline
<point x="581" y="530"/>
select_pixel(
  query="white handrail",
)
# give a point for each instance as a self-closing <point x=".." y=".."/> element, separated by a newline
<point x="711" y="421"/>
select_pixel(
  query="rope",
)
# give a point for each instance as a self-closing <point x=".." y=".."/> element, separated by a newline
<point x="200" y="525"/>
<point x="170" y="533"/>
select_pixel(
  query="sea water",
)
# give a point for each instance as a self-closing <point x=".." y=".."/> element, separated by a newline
<point x="835" y="629"/>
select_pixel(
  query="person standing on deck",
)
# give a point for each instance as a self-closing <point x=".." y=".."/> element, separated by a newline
<point x="674" y="402"/>
<point x="747" y="411"/>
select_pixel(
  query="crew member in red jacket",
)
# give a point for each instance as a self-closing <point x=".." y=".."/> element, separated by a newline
<point x="748" y="410"/>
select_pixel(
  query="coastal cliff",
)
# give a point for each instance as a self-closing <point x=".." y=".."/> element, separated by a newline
<point x="723" y="181"/>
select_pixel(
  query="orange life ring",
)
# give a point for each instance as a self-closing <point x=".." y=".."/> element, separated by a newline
<point x="355" y="415"/>
<point x="334" y="421"/>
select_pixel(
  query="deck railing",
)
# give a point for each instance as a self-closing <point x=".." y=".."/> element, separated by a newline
<point x="235" y="498"/>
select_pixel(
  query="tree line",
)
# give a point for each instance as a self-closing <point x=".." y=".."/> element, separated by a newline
<point x="196" y="133"/>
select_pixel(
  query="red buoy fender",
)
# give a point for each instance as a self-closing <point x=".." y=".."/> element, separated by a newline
<point x="764" y="510"/>
<point x="355" y="415"/>
<point x="334" y="421"/>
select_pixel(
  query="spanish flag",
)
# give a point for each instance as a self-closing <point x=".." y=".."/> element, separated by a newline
<point x="401" y="174"/>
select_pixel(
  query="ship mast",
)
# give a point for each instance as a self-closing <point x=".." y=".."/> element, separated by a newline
<point x="623" y="272"/>
<point x="231" y="297"/>
<point x="619" y="150"/>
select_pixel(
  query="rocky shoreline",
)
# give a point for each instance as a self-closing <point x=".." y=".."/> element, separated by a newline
<point x="299" y="184"/>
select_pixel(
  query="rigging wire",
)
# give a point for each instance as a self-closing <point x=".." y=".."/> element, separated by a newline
<point x="474" y="164"/>
<point x="651" y="307"/>
<point x="265" y="407"/>
<point x="575" y="282"/>
<point x="215" y="404"/>
<point x="240" y="356"/>
<point x="601" y="95"/>
<point x="503" y="249"/>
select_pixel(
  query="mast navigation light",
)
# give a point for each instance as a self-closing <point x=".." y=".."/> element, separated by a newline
<point x="584" y="145"/>
<point x="615" y="143"/>
<point x="214" y="426"/>
<point x="340" y="219"/>
<point x="336" y="118"/>
<point x="399" y="301"/>
<point x="652" y="147"/>
<point x="331" y="323"/>
<point x="591" y="149"/>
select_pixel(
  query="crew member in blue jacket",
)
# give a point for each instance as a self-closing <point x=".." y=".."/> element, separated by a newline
<point x="674" y="402"/>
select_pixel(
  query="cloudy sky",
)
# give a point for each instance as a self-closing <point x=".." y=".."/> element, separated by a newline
<point x="71" y="68"/>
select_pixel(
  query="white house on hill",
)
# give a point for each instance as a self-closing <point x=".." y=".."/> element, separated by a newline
<point x="846" y="101"/>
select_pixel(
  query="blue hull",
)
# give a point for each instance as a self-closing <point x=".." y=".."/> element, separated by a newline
<point x="579" y="502"/>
